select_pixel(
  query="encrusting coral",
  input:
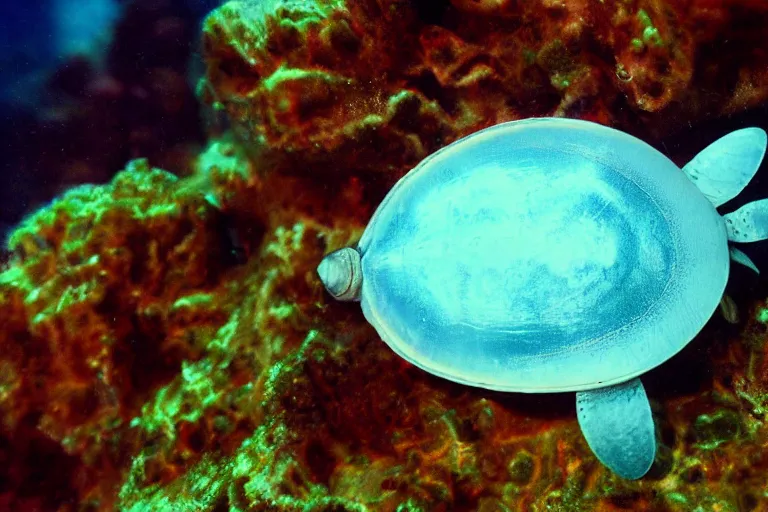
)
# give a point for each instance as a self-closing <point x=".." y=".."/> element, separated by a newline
<point x="327" y="88"/>
<point x="166" y="344"/>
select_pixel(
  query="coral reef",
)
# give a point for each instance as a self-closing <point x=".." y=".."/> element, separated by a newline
<point x="140" y="351"/>
<point x="329" y="88"/>
<point x="167" y="346"/>
<point x="112" y="289"/>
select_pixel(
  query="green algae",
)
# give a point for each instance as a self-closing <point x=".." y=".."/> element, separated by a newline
<point x="131" y="190"/>
<point x="650" y="35"/>
<point x="712" y="430"/>
<point x="571" y="495"/>
<point x="561" y="64"/>
<point x="560" y="81"/>
<point x="677" y="497"/>
<point x="287" y="240"/>
<point x="522" y="467"/>
<point x="285" y="74"/>
<point x="241" y="480"/>
<point x="295" y="16"/>
<point x="410" y="506"/>
<point x="758" y="401"/>
<point x="200" y="383"/>
<point x="201" y="488"/>
<point x="170" y="405"/>
<point x="282" y="311"/>
<point x="197" y="300"/>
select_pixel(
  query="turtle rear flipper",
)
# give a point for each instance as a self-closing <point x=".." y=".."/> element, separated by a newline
<point x="618" y="426"/>
<point x="739" y="257"/>
<point x="749" y="223"/>
<point x="724" y="168"/>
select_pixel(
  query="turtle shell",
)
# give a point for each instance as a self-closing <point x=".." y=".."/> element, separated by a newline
<point x="543" y="255"/>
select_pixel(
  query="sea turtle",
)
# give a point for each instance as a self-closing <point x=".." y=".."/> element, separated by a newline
<point x="553" y="255"/>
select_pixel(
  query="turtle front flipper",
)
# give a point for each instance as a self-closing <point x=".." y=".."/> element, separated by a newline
<point x="618" y="426"/>
<point x="724" y="168"/>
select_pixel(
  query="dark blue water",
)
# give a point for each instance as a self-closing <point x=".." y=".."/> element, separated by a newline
<point x="53" y="53"/>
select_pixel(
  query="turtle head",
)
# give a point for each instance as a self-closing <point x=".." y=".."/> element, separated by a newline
<point x="341" y="273"/>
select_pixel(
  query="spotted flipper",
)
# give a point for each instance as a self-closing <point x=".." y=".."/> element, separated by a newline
<point x="749" y="223"/>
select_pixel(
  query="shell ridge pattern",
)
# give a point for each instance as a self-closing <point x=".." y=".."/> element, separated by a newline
<point x="571" y="149"/>
<point x="673" y="263"/>
<point x="429" y="244"/>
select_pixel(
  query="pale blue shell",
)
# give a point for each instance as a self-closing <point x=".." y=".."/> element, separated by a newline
<point x="543" y="255"/>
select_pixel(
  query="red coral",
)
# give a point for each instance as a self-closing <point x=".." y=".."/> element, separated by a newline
<point x="371" y="87"/>
<point x="90" y="325"/>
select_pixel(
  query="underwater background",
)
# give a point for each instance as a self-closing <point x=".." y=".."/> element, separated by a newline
<point x="172" y="173"/>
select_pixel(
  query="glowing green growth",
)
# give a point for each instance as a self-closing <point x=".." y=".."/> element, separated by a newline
<point x="650" y="35"/>
<point x="677" y="497"/>
<point x="712" y="430"/>
<point x="287" y="74"/>
<point x="197" y="389"/>
<point x="171" y="402"/>
<point x="410" y="506"/>
<point x="762" y="315"/>
<point x="560" y="82"/>
<point x="203" y="485"/>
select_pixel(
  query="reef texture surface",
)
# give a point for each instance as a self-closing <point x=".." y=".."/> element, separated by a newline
<point x="167" y="346"/>
<point x="330" y="88"/>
